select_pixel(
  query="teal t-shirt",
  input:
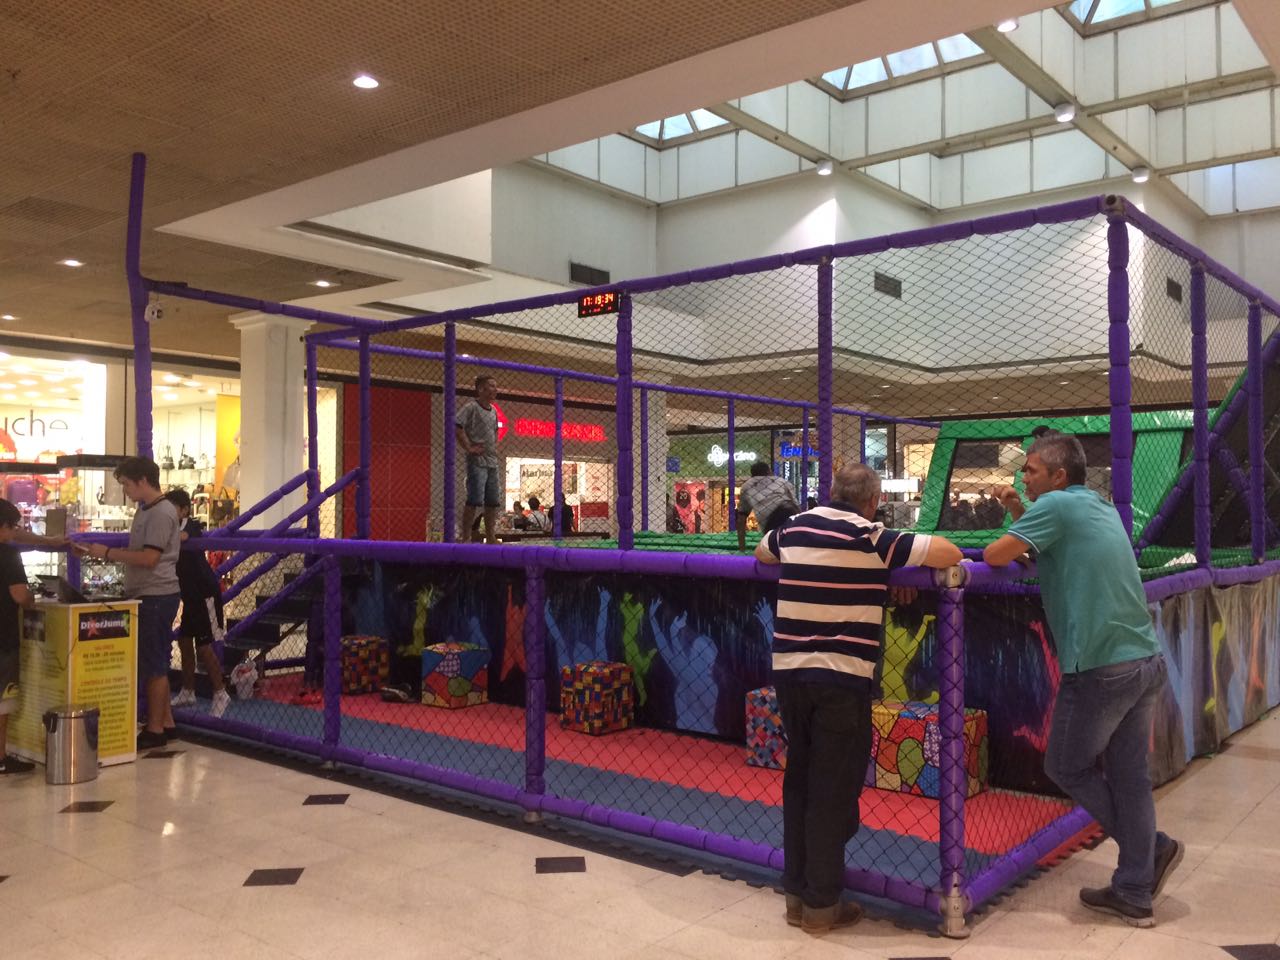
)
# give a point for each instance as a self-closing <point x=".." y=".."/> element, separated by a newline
<point x="1089" y="579"/>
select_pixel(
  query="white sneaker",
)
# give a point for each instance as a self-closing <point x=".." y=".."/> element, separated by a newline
<point x="184" y="698"/>
<point x="221" y="700"/>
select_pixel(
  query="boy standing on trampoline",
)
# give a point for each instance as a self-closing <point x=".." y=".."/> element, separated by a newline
<point x="831" y="597"/>
<point x="476" y="427"/>
<point x="1112" y="669"/>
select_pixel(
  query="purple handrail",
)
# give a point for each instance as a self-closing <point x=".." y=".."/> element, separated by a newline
<point x="1118" y="376"/>
<point x="1200" y="415"/>
<point x="261" y="507"/>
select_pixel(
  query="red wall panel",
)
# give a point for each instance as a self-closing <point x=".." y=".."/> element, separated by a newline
<point x="400" y="455"/>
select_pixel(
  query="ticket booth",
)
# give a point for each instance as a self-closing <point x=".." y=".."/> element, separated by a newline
<point x="83" y="653"/>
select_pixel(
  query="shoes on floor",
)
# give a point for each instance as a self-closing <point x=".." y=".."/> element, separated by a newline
<point x="795" y="910"/>
<point x="221" y="700"/>
<point x="12" y="764"/>
<point x="820" y="920"/>
<point x="183" y="698"/>
<point x="147" y="740"/>
<point x="308" y="698"/>
<point x="1168" y="855"/>
<point x="1105" y="900"/>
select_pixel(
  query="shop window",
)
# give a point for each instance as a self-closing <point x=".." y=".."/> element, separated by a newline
<point x="976" y="468"/>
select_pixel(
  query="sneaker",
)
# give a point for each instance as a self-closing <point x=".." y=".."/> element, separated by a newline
<point x="221" y="700"/>
<point x="1105" y="900"/>
<point x="171" y="733"/>
<point x="151" y="741"/>
<point x="1167" y="859"/>
<point x="184" y="698"/>
<point x="820" y="920"/>
<point x="12" y="764"/>
<point x="795" y="910"/>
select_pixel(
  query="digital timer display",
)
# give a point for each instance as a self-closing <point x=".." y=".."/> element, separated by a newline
<point x="594" y="304"/>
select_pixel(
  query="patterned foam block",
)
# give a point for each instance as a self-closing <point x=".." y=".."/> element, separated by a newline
<point x="366" y="663"/>
<point x="766" y="740"/>
<point x="455" y="675"/>
<point x="597" y="697"/>
<point x="906" y="747"/>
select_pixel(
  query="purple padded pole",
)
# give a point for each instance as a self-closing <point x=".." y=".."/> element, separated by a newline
<point x="804" y="459"/>
<point x="1200" y="415"/>
<point x="557" y="479"/>
<point x="535" y="681"/>
<point x="826" y="380"/>
<point x="644" y="459"/>
<point x="313" y="440"/>
<point x="862" y="439"/>
<point x="364" y="493"/>
<point x="332" y="651"/>
<point x="1257" y="464"/>
<point x="1023" y="858"/>
<point x="1121" y="386"/>
<point x="954" y="785"/>
<point x="733" y="465"/>
<point x="450" y="486"/>
<point x="138" y="308"/>
<point x="626" y="451"/>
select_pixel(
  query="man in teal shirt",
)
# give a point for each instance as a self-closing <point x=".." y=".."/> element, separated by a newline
<point x="1112" y="669"/>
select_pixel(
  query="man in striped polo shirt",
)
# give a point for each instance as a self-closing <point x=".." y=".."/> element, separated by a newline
<point x="832" y="592"/>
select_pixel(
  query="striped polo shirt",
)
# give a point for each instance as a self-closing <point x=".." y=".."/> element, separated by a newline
<point x="832" y="591"/>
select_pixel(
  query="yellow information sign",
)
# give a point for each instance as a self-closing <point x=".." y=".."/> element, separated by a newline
<point x="84" y="653"/>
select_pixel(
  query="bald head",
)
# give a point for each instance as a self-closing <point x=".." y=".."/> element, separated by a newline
<point x="857" y="485"/>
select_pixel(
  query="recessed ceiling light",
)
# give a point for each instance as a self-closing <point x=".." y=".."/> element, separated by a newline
<point x="786" y="378"/>
<point x="323" y="283"/>
<point x="1065" y="112"/>
<point x="58" y="389"/>
<point x="20" y="368"/>
<point x="211" y="392"/>
<point x="7" y="316"/>
<point x="884" y="386"/>
<point x="825" y="167"/>
<point x="874" y="395"/>
<point x="365" y="82"/>
<point x="191" y="383"/>
<point x="4" y="356"/>
<point x="1063" y="383"/>
<point x="8" y="396"/>
<point x="797" y="371"/>
<point x="28" y="383"/>
<point x="169" y="396"/>
<point x="171" y="378"/>
<point x="1008" y="26"/>
<point x="1141" y="174"/>
<point x="953" y="408"/>
<point x="32" y="394"/>
<point x="995" y="398"/>
<point x="71" y="263"/>
<point x="54" y="378"/>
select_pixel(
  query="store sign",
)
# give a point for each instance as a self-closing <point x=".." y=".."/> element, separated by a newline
<point x="583" y="432"/>
<point x="111" y="625"/>
<point x="718" y="457"/>
<point x="796" y="450"/>
<point x="502" y="421"/>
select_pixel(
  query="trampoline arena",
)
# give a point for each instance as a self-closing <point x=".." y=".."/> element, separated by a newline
<point x="623" y="681"/>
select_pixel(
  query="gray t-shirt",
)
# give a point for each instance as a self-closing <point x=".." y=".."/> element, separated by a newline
<point x="154" y="526"/>
<point x="480" y="425"/>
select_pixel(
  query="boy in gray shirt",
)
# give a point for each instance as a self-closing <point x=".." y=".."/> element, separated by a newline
<point x="476" y="428"/>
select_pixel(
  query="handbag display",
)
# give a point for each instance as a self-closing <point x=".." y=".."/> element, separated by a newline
<point x="166" y="462"/>
<point x="185" y="460"/>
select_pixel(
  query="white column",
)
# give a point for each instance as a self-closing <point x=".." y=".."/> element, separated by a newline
<point x="273" y="377"/>
<point x="659" y="450"/>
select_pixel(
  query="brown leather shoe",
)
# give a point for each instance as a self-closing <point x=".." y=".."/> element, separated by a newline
<point x="820" y="920"/>
<point x="795" y="910"/>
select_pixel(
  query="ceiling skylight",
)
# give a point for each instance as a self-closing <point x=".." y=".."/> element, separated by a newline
<point x="1108" y="14"/>
<point x="681" y="127"/>
<point x="883" y="71"/>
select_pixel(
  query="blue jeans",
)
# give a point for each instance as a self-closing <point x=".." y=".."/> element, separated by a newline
<point x="1098" y="755"/>
<point x="155" y="631"/>
<point x="482" y="485"/>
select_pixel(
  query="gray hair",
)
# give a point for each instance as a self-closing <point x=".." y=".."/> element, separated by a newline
<point x="856" y="484"/>
<point x="1061" y="451"/>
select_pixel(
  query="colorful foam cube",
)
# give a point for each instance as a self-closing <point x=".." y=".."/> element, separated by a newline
<point x="906" y="748"/>
<point x="597" y="697"/>
<point x="455" y="675"/>
<point x="766" y="740"/>
<point x="366" y="663"/>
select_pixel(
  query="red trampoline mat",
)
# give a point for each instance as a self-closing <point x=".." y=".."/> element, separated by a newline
<point x="996" y="821"/>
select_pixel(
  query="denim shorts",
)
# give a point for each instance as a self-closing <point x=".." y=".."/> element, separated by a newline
<point x="155" y="632"/>
<point x="482" y="485"/>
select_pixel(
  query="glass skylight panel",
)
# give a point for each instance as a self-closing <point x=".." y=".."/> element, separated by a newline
<point x="650" y="129"/>
<point x="837" y="78"/>
<point x="1110" y="9"/>
<point x="1080" y="9"/>
<point x="867" y="72"/>
<point x="914" y="60"/>
<point x="958" y="47"/>
<point x="1163" y="3"/>
<point x="706" y="120"/>
<point x="677" y="126"/>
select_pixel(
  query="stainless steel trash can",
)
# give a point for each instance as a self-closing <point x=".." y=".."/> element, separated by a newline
<point x="71" y="744"/>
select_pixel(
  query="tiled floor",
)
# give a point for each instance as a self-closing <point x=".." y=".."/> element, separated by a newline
<point x="163" y="870"/>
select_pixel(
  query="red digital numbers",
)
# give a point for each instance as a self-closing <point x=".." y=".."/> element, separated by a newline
<point x="594" y="304"/>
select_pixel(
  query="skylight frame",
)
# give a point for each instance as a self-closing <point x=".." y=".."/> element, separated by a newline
<point x="1087" y="28"/>
<point x="893" y="80"/>
<point x="662" y="142"/>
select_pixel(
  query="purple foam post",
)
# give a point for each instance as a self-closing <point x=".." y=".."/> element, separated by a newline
<point x="1257" y="463"/>
<point x="733" y="463"/>
<point x="313" y="439"/>
<point x="138" y="308"/>
<point x="804" y="458"/>
<point x="1121" y="385"/>
<point x="954" y="777"/>
<point x="75" y="576"/>
<point x="1200" y="415"/>
<point x="626" y="451"/>
<point x="644" y="458"/>
<point x="332" y="651"/>
<point x="826" y="380"/>
<point x="450" y="486"/>
<point x="364" y="492"/>
<point x="535" y="681"/>
<point x="557" y="479"/>
<point x="862" y="439"/>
